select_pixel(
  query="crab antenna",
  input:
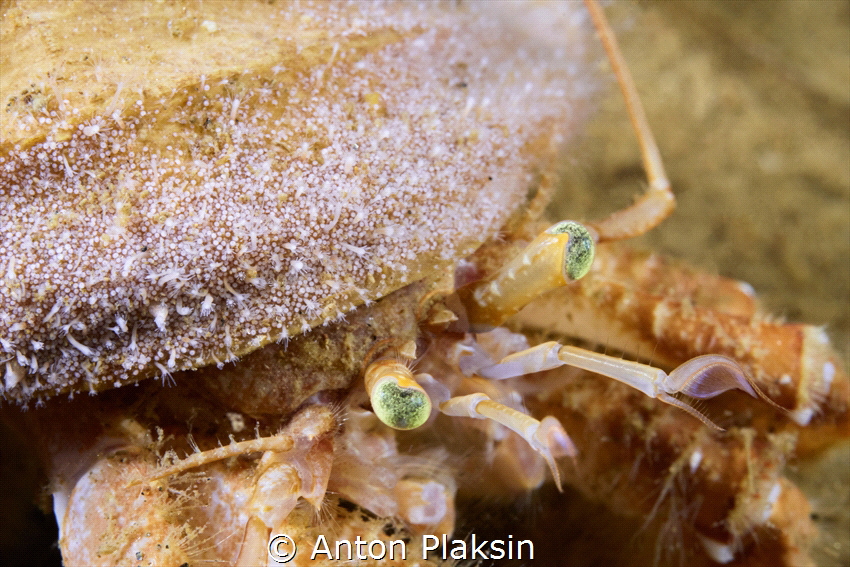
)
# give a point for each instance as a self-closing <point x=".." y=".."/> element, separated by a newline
<point x="658" y="202"/>
<point x="562" y="253"/>
<point x="397" y="399"/>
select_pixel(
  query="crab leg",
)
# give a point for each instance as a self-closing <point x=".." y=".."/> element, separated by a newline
<point x="547" y="437"/>
<point x="637" y="303"/>
<point x="658" y="202"/>
<point x="701" y="377"/>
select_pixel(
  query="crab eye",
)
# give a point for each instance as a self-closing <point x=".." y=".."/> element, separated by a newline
<point x="397" y="399"/>
<point x="399" y="407"/>
<point x="580" y="249"/>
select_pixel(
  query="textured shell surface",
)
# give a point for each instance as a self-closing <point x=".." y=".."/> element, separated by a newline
<point x="182" y="183"/>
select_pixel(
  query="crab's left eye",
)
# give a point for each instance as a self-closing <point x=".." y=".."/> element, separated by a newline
<point x="397" y="399"/>
<point x="579" y="251"/>
<point x="399" y="407"/>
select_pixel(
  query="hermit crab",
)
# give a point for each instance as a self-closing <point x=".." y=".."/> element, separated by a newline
<point x="315" y="244"/>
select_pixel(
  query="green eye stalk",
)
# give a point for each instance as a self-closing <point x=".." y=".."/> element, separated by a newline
<point x="561" y="254"/>
<point x="397" y="399"/>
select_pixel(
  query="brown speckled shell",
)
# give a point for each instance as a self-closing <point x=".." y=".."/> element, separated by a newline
<point x="184" y="183"/>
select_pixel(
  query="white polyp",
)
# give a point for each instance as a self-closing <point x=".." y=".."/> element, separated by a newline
<point x="14" y="374"/>
<point x="695" y="460"/>
<point x="160" y="314"/>
<point x="121" y="321"/>
<point x="720" y="552"/>
<point x="206" y="305"/>
<point x="53" y="311"/>
<point x="181" y="309"/>
<point x="88" y="351"/>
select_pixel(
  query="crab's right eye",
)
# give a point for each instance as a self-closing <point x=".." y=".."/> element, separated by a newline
<point x="579" y="251"/>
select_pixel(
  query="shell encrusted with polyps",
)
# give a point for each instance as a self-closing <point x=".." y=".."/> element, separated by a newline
<point x="182" y="185"/>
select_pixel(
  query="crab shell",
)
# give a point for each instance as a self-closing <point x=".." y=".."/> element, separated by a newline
<point x="185" y="184"/>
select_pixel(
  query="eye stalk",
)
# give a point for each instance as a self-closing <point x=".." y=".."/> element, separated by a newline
<point x="561" y="254"/>
<point x="397" y="399"/>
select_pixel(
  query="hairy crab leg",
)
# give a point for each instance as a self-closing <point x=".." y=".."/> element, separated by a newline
<point x="295" y="463"/>
<point x="702" y="377"/>
<point x="276" y="444"/>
